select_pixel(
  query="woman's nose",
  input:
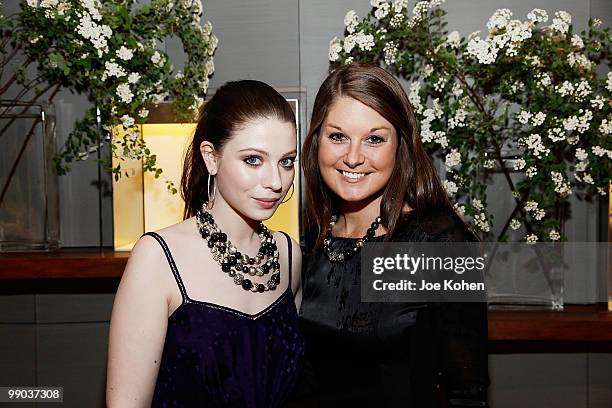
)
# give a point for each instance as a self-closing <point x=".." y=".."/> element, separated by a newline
<point x="354" y="156"/>
<point x="272" y="178"/>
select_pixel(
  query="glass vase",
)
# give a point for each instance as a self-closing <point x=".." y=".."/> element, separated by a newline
<point x="29" y="200"/>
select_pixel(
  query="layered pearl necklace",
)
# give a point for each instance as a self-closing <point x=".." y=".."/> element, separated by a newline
<point x="341" y="256"/>
<point x="237" y="264"/>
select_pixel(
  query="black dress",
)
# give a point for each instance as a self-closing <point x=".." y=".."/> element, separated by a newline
<point x="390" y="354"/>
<point x="216" y="356"/>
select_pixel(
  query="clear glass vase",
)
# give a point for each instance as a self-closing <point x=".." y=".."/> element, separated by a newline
<point x="29" y="200"/>
<point x="523" y="276"/>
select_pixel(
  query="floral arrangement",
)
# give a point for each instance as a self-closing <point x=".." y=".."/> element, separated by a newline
<point x="527" y="101"/>
<point x="107" y="50"/>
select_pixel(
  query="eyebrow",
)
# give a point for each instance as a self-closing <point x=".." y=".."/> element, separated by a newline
<point x="371" y="130"/>
<point x="264" y="153"/>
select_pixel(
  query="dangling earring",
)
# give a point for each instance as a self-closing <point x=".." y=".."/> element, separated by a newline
<point x="211" y="195"/>
<point x="292" y="191"/>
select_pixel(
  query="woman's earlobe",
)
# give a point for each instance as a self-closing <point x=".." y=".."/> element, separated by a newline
<point x="207" y="150"/>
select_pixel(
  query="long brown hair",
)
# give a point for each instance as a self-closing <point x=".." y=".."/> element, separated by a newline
<point x="414" y="180"/>
<point x="231" y="107"/>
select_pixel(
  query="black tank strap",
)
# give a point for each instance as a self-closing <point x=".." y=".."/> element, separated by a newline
<point x="289" y="256"/>
<point x="173" y="267"/>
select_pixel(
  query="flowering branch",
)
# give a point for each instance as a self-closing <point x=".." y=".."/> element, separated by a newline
<point x="107" y="51"/>
<point x="524" y="101"/>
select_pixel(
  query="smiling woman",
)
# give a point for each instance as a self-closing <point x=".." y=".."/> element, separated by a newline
<point x="368" y="178"/>
<point x="196" y="320"/>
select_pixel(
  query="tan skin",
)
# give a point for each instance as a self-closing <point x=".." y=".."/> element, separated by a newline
<point x="356" y="157"/>
<point x="256" y="163"/>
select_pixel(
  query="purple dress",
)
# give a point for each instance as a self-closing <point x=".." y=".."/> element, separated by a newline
<point x="216" y="356"/>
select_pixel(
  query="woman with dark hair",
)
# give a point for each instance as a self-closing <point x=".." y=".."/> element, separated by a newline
<point x="368" y="179"/>
<point x="206" y="311"/>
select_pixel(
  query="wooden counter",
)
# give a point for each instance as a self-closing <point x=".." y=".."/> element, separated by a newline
<point x="577" y="323"/>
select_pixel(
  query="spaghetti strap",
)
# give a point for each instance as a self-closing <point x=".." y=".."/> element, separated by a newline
<point x="289" y="260"/>
<point x="173" y="267"/>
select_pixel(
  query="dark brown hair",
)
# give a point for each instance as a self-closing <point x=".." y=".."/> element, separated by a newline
<point x="233" y="106"/>
<point x="413" y="181"/>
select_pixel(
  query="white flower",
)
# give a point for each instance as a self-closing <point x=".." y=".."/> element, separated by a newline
<point x="488" y="164"/>
<point x="364" y="41"/>
<point x="534" y="143"/>
<point x="582" y="90"/>
<point x="210" y="67"/>
<point x="515" y="224"/>
<point x="125" y="53"/>
<point x="156" y="58"/>
<point x="127" y="121"/>
<point x="554" y="235"/>
<point x="531" y="206"/>
<point x="609" y="81"/>
<point x="427" y="70"/>
<point x="596" y="22"/>
<point x="533" y="60"/>
<point x="399" y="5"/>
<point x="458" y="120"/>
<point x="454" y="39"/>
<point x="390" y="52"/>
<point x="531" y="172"/>
<point x="580" y="123"/>
<point x="577" y="41"/>
<point x="556" y="134"/>
<point x="577" y="59"/>
<point x="133" y="77"/>
<point x="562" y="187"/>
<point x="143" y="113"/>
<point x="32" y="3"/>
<point x="477" y="204"/>
<point x="539" y="214"/>
<point x="382" y="11"/>
<point x="531" y="238"/>
<point x="459" y="209"/>
<point x="499" y="19"/>
<point x="587" y="179"/>
<point x="599" y="151"/>
<point x="581" y="154"/>
<point x="349" y="60"/>
<point x="112" y="69"/>
<point x="349" y="43"/>
<point x="481" y="222"/>
<point x="598" y="102"/>
<point x="523" y="117"/>
<point x="450" y="186"/>
<point x="566" y="88"/>
<point x="396" y="20"/>
<point x="452" y="159"/>
<point x="334" y="49"/>
<point x="420" y="8"/>
<point x="124" y="93"/>
<point x="350" y="21"/>
<point x="440" y="138"/>
<point x="483" y="51"/>
<point x="414" y="97"/>
<point x="605" y="127"/>
<point x="48" y="3"/>
<point x="538" y="16"/>
<point x="538" y="119"/>
<point x="457" y="90"/>
<point x="543" y="80"/>
<point x="561" y="22"/>
<point x="98" y="35"/>
<point x="519" y="164"/>
<point x="214" y="42"/>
